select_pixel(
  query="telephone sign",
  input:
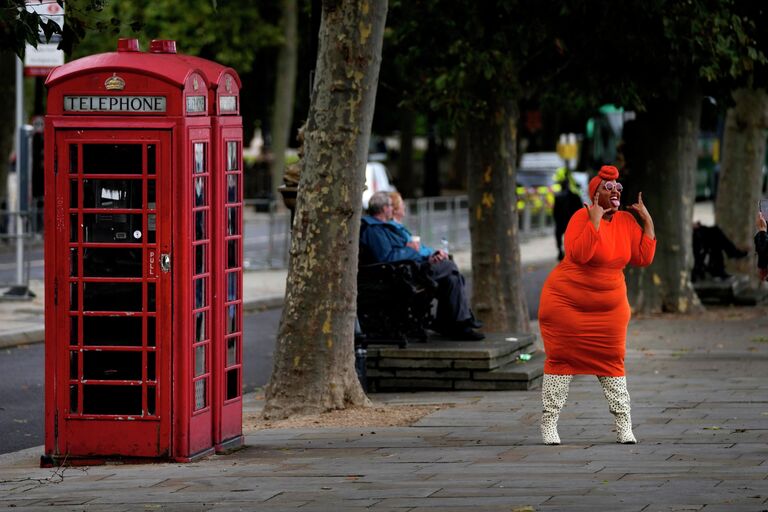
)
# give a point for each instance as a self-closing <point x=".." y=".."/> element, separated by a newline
<point x="143" y="104"/>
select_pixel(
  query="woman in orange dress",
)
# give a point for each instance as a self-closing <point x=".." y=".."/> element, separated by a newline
<point x="584" y="311"/>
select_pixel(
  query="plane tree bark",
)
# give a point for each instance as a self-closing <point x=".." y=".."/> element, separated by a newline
<point x="499" y="298"/>
<point x="665" y="171"/>
<point x="314" y="367"/>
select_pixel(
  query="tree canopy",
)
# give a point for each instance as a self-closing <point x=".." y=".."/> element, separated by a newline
<point x="576" y="55"/>
<point x="225" y="31"/>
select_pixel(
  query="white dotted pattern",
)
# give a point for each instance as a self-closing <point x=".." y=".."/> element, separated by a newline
<point x="615" y="390"/>
<point x="554" y="394"/>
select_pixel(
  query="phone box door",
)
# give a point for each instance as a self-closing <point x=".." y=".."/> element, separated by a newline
<point x="112" y="378"/>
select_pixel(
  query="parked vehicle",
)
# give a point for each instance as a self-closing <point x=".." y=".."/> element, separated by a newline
<point x="538" y="170"/>
<point x="376" y="180"/>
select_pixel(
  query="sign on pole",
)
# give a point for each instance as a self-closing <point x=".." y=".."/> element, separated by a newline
<point x="41" y="60"/>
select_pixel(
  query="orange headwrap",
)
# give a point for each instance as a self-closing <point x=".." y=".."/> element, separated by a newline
<point x="607" y="173"/>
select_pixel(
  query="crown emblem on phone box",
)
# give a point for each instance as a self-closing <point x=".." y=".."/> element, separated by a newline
<point x="114" y="83"/>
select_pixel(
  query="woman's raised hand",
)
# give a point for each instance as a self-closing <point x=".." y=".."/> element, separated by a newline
<point x="645" y="217"/>
<point x="761" y="223"/>
<point x="595" y="211"/>
<point x="640" y="208"/>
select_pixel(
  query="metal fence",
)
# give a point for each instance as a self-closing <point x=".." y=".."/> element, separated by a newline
<point x="266" y="235"/>
<point x="266" y="243"/>
<point x="266" y="226"/>
<point x="437" y="220"/>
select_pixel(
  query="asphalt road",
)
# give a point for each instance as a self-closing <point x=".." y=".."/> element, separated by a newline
<point x="22" y="392"/>
<point x="21" y="397"/>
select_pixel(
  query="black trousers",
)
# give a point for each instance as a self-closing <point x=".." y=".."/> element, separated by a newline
<point x="566" y="204"/>
<point x="452" y="303"/>
<point x="709" y="244"/>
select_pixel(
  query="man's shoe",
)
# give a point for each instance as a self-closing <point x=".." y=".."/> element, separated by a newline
<point x="467" y="334"/>
<point x="739" y="254"/>
<point x="473" y="323"/>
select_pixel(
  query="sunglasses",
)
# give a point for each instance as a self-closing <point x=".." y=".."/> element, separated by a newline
<point x="609" y="186"/>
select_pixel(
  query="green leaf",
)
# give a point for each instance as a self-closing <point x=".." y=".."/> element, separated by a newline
<point x="440" y="82"/>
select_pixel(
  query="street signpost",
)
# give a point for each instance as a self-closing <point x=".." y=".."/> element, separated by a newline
<point x="41" y="60"/>
<point x="37" y="62"/>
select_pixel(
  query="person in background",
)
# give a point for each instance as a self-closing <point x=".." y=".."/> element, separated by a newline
<point x="567" y="202"/>
<point x="709" y="244"/>
<point x="414" y="241"/>
<point x="398" y="214"/>
<point x="382" y="241"/>
<point x="761" y="246"/>
<point x="584" y="312"/>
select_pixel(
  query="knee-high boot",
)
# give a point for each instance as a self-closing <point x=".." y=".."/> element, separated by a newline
<point x="615" y="390"/>
<point x="554" y="393"/>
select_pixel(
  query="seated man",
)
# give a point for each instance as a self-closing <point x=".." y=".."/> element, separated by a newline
<point x="381" y="241"/>
<point x="709" y="244"/>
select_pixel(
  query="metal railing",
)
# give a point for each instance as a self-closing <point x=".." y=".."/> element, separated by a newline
<point x="266" y="234"/>
<point x="439" y="221"/>
<point x="267" y="227"/>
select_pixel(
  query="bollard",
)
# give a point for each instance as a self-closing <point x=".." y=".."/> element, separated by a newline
<point x="361" y="355"/>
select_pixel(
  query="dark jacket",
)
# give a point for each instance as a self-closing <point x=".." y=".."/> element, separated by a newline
<point x="383" y="242"/>
<point x="406" y="234"/>
<point x="761" y="247"/>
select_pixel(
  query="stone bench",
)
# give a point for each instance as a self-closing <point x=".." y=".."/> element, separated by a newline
<point x="439" y="364"/>
<point x="735" y="290"/>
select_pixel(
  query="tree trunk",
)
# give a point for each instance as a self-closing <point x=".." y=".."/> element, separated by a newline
<point x="739" y="186"/>
<point x="665" y="167"/>
<point x="8" y="110"/>
<point x="314" y="369"/>
<point x="498" y="297"/>
<point x="285" y="86"/>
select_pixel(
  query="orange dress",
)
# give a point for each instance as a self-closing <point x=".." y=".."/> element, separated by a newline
<point x="584" y="311"/>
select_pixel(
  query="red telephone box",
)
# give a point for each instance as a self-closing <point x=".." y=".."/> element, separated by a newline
<point x="132" y="254"/>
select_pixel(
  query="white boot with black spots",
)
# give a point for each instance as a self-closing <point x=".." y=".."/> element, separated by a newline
<point x="615" y="390"/>
<point x="554" y="393"/>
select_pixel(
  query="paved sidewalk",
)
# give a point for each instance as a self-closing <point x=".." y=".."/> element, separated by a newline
<point x="700" y="411"/>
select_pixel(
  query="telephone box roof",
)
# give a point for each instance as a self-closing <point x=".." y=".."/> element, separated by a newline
<point x="212" y="70"/>
<point x="169" y="67"/>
